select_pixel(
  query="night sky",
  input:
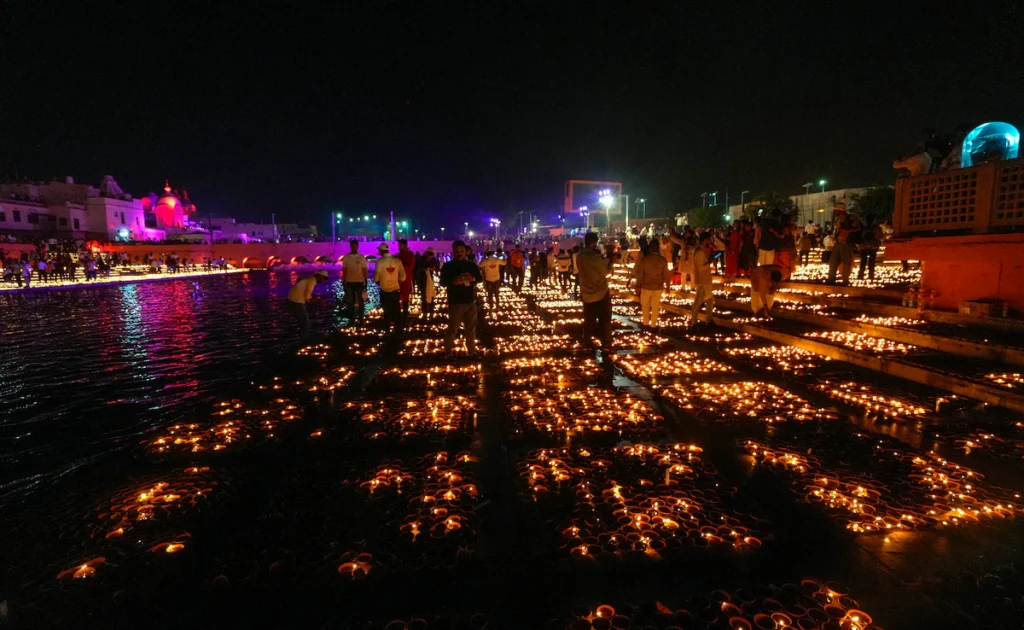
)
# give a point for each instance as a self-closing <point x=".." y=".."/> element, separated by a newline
<point x="448" y="111"/>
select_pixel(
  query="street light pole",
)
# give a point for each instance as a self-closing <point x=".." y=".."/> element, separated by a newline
<point x="626" y="206"/>
<point x="822" y="182"/>
<point x="743" y="206"/>
<point x="703" y="199"/>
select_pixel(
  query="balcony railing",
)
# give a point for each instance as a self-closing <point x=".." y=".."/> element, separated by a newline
<point x="980" y="199"/>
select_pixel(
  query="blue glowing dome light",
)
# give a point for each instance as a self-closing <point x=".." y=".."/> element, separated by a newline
<point x="989" y="142"/>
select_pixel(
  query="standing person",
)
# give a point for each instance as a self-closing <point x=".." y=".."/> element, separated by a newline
<point x="535" y="267"/>
<point x="684" y="262"/>
<point x="425" y="269"/>
<point x="355" y="272"/>
<point x="550" y="267"/>
<point x="517" y="267"/>
<point x="805" y="247"/>
<point x="41" y="268"/>
<point x="408" y="259"/>
<point x="459" y="276"/>
<point x="594" y="269"/>
<point x="574" y="255"/>
<point x="653" y="276"/>
<point x="767" y="233"/>
<point x="763" y="282"/>
<point x="847" y="229"/>
<point x="718" y="251"/>
<point x="300" y="295"/>
<point x="748" y="250"/>
<point x="734" y="243"/>
<point x="26" y="273"/>
<point x="702" y="278"/>
<point x="491" y="267"/>
<point x="785" y="249"/>
<point x="389" y="274"/>
<point x="564" y="265"/>
<point x="870" y="241"/>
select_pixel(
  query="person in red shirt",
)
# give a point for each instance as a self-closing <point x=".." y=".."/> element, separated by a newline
<point x="408" y="260"/>
<point x="517" y="266"/>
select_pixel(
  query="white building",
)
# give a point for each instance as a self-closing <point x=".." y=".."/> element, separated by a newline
<point x="65" y="209"/>
<point x="814" y="206"/>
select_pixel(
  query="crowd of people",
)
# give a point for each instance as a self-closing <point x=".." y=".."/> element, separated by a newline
<point x="766" y="250"/>
<point x="51" y="264"/>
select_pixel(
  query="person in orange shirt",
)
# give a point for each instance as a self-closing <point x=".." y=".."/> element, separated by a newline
<point x="408" y="259"/>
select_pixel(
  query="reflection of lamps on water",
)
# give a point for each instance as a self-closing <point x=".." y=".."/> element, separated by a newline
<point x="988" y="142"/>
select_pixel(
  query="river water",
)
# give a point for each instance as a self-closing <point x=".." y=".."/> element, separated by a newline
<point x="84" y="373"/>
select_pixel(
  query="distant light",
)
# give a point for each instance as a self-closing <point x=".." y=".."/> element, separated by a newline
<point x="374" y="216"/>
<point x="821" y="182"/>
<point x="366" y="217"/>
<point x="339" y="215"/>
<point x="606" y="200"/>
<point x="471" y="234"/>
<point x="727" y="216"/>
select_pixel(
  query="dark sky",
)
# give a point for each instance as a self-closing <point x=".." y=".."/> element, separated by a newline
<point x="446" y="110"/>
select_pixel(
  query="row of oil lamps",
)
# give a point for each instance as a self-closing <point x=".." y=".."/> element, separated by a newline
<point x="436" y="498"/>
<point x="678" y="363"/>
<point x="149" y="516"/>
<point x="648" y="499"/>
<point x="744" y="400"/>
<point x="866" y="396"/>
<point x="779" y="358"/>
<point x="433" y="378"/>
<point x="861" y="342"/>
<point x="563" y="412"/>
<point x="895" y="491"/>
<point x="234" y="423"/>
<point x="549" y="371"/>
<point x="810" y="605"/>
<point x="407" y="417"/>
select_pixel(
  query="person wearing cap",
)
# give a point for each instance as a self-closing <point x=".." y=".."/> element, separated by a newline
<point x="389" y="274"/>
<point x="841" y="258"/>
<point x="300" y="295"/>
<point x="702" y="279"/>
<point x="354" y="273"/>
<point x="460" y="276"/>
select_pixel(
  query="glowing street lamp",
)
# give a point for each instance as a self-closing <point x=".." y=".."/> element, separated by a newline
<point x="497" y="226"/>
<point x="822" y="182"/>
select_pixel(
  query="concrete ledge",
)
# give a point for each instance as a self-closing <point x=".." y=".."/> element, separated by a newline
<point x="917" y="374"/>
<point x="924" y="376"/>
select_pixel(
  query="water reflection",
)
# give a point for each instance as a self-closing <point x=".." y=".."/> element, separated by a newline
<point x="83" y="373"/>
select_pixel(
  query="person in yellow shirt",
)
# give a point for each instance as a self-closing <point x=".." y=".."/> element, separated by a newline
<point x="389" y="274"/>
<point x="702" y="279"/>
<point x="300" y="294"/>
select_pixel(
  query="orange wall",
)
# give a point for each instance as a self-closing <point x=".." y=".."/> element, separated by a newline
<point x="961" y="268"/>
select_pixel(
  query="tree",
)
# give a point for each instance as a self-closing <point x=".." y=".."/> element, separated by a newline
<point x="771" y="204"/>
<point x="874" y="205"/>
<point x="707" y="217"/>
